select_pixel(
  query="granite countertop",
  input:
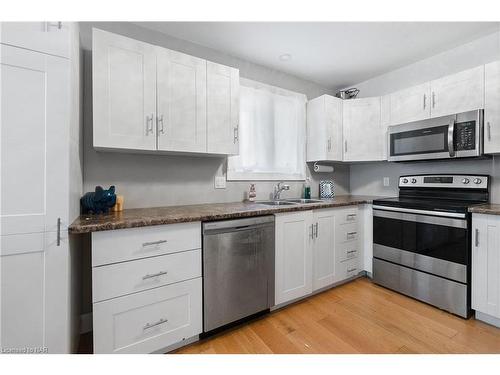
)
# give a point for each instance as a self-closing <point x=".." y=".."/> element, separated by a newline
<point x="141" y="217"/>
<point x="488" y="208"/>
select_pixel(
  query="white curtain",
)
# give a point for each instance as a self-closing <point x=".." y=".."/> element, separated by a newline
<point x="272" y="132"/>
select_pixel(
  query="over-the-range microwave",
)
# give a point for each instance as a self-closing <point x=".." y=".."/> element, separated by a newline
<point x="447" y="137"/>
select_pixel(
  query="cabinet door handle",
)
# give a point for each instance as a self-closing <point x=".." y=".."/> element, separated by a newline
<point x="488" y="128"/>
<point x="152" y="276"/>
<point x="149" y="124"/>
<point x="329" y="144"/>
<point x="345" y="146"/>
<point x="161" y="128"/>
<point x="311" y="231"/>
<point x="425" y="100"/>
<point x="58" y="241"/>
<point x="153" y="243"/>
<point x="235" y="135"/>
<point x="151" y="325"/>
<point x="433" y="99"/>
<point x="316" y="230"/>
<point x="476" y="242"/>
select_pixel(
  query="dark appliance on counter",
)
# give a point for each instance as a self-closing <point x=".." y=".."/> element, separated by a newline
<point x="422" y="239"/>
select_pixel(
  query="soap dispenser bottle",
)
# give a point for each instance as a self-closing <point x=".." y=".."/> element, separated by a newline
<point x="307" y="188"/>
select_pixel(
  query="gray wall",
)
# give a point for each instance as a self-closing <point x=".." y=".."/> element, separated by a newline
<point x="367" y="178"/>
<point x="160" y="180"/>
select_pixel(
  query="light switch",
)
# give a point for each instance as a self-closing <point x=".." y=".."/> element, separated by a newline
<point x="220" y="182"/>
<point x="386" y="181"/>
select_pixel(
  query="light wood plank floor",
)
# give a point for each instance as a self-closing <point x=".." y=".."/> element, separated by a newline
<point x="358" y="317"/>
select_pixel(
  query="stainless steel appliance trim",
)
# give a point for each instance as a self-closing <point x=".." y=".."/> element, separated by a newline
<point x="442" y="293"/>
<point x="435" y="266"/>
<point x="238" y="223"/>
<point x="422" y="212"/>
<point x="451" y="140"/>
<point x="421" y="218"/>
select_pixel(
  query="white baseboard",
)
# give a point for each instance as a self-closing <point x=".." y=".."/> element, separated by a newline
<point x="85" y="323"/>
<point x="488" y="319"/>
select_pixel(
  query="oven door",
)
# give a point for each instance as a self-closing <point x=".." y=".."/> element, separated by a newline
<point x="428" y="241"/>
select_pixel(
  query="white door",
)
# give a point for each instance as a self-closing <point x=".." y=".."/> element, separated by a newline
<point x="457" y="93"/>
<point x="492" y="108"/>
<point x="34" y="141"/>
<point x="124" y="92"/>
<point x="182" y="102"/>
<point x="293" y="258"/>
<point x="486" y="264"/>
<point x="222" y="109"/>
<point x="411" y="104"/>
<point x="317" y="134"/>
<point x="323" y="248"/>
<point x="333" y="112"/>
<point x="47" y="37"/>
<point x="362" y="130"/>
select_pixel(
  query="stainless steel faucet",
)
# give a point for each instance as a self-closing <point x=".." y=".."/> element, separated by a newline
<point x="278" y="189"/>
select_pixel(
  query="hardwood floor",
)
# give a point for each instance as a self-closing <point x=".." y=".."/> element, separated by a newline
<point x="358" y="317"/>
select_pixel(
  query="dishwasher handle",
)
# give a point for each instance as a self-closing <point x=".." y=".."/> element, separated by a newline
<point x="237" y="225"/>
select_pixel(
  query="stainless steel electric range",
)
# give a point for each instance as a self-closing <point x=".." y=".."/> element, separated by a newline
<point x="422" y="239"/>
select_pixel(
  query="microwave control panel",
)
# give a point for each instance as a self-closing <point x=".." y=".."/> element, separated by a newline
<point x="465" y="135"/>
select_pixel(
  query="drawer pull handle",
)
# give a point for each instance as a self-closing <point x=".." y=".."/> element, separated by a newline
<point x="161" y="273"/>
<point x="352" y="270"/>
<point x="151" y="325"/>
<point x="153" y="243"/>
<point x="351" y="217"/>
<point x="351" y="251"/>
<point x="351" y="234"/>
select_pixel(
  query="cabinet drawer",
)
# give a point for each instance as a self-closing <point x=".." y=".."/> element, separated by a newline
<point x="346" y="233"/>
<point x="116" y="280"/>
<point x="347" y="269"/>
<point x="148" y="321"/>
<point x="347" y="216"/>
<point x="127" y="244"/>
<point x="346" y="251"/>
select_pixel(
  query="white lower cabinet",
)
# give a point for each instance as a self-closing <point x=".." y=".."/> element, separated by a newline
<point x="314" y="249"/>
<point x="148" y="296"/>
<point x="486" y="267"/>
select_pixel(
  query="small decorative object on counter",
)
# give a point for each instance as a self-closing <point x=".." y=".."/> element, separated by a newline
<point x="252" y="193"/>
<point x="326" y="189"/>
<point x="307" y="188"/>
<point x="118" y="207"/>
<point x="98" y="201"/>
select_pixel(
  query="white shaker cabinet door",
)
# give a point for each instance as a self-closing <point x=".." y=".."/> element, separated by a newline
<point x="492" y="108"/>
<point x="323" y="248"/>
<point x="293" y="257"/>
<point x="486" y="264"/>
<point x="222" y="109"/>
<point x="362" y="130"/>
<point x="34" y="141"/>
<point x="51" y="37"/>
<point x="411" y="104"/>
<point x="182" y="102"/>
<point x="460" y="92"/>
<point x="124" y="92"/>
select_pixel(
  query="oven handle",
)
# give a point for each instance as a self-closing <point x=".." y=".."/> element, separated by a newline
<point x="422" y="212"/>
<point x="451" y="131"/>
<point x="424" y="219"/>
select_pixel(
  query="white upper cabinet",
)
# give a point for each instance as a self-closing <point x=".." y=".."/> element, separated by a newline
<point x="324" y="129"/>
<point x="124" y="92"/>
<point x="457" y="93"/>
<point x="223" y="85"/>
<point x="48" y="37"/>
<point x="362" y="130"/>
<point x="411" y="104"/>
<point x="486" y="264"/>
<point x="492" y="108"/>
<point x="182" y="102"/>
<point x="34" y="141"/>
<point x="385" y="122"/>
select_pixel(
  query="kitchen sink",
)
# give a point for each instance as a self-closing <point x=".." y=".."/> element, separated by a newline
<point x="301" y="201"/>
<point x="277" y="203"/>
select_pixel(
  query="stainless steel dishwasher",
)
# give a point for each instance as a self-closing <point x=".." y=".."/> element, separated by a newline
<point x="238" y="269"/>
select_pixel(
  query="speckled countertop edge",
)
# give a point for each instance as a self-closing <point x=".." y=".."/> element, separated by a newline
<point x="487" y="208"/>
<point x="142" y="217"/>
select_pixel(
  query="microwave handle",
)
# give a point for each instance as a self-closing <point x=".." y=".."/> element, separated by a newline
<point x="451" y="131"/>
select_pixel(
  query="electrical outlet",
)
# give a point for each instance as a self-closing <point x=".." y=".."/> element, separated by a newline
<point x="386" y="181"/>
<point x="220" y="182"/>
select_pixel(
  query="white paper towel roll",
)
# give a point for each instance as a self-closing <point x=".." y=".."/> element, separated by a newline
<point x="323" y="168"/>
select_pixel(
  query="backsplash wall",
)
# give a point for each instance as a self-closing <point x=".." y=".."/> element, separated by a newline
<point x="367" y="178"/>
<point x="164" y="180"/>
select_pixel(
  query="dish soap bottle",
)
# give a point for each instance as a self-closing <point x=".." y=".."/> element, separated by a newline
<point x="307" y="188"/>
<point x="252" y="194"/>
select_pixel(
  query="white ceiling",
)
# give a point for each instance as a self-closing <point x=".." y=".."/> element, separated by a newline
<point x="332" y="54"/>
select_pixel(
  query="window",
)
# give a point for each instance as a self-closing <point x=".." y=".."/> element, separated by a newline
<point x="272" y="136"/>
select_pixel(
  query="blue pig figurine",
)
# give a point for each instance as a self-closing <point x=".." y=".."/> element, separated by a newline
<point x="99" y="201"/>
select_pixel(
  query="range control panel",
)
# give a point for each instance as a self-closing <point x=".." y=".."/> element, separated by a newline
<point x="445" y="181"/>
